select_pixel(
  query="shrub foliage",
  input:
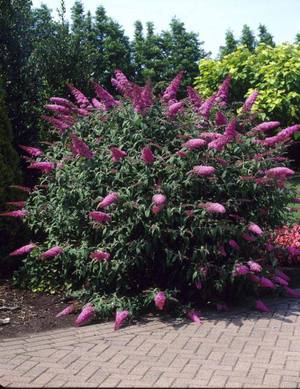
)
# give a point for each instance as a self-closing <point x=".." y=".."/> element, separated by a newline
<point x="111" y="242"/>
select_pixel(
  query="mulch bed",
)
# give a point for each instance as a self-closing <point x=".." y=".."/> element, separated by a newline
<point x="35" y="312"/>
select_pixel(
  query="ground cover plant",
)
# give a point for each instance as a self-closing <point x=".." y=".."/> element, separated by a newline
<point x="150" y="203"/>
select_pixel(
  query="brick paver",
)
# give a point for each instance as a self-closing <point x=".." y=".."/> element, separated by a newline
<point x="240" y="349"/>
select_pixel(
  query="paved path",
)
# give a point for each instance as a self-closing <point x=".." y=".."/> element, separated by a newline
<point x="246" y="349"/>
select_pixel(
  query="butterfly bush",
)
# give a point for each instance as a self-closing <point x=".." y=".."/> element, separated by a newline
<point x="155" y="203"/>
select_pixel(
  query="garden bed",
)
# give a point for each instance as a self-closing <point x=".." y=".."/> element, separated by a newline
<point x="36" y="311"/>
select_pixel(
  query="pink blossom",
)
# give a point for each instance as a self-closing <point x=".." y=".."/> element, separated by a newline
<point x="223" y="92"/>
<point x="57" y="108"/>
<point x="265" y="126"/>
<point x="79" y="147"/>
<point x="278" y="172"/>
<point x="266" y="283"/>
<point x="121" y="316"/>
<point x="23" y="250"/>
<point x="111" y="198"/>
<point x="69" y="309"/>
<point x="203" y="171"/>
<point x="282" y="275"/>
<point x="104" y="96"/>
<point x="33" y="151"/>
<point x="21" y="188"/>
<point x="156" y="209"/>
<point x="222" y="251"/>
<point x="193" y="144"/>
<point x="269" y="247"/>
<point x="160" y="300"/>
<point x="198" y="285"/>
<point x="248" y="237"/>
<point x="250" y="101"/>
<point x="296" y="201"/>
<point x="229" y="136"/>
<point x="206" y="107"/>
<point x="117" y="154"/>
<point x="52" y="253"/>
<point x="234" y="244"/>
<point x="159" y="199"/>
<point x="99" y="216"/>
<point x="147" y="156"/>
<point x="220" y="119"/>
<point x="194" y="316"/>
<point x="214" y="207"/>
<point x="86" y="313"/>
<point x="210" y="135"/>
<point x="291" y="292"/>
<point x="45" y="167"/>
<point x="100" y="256"/>
<point x="69" y="120"/>
<point x="20" y="204"/>
<point x="171" y="90"/>
<point x="280" y="281"/>
<point x="121" y="83"/>
<point x="80" y="98"/>
<point x="19" y="213"/>
<point x="241" y="270"/>
<point x="174" y="108"/>
<point x="181" y="154"/>
<point x="281" y="136"/>
<point x="194" y="97"/>
<point x="61" y="101"/>
<point x="260" y="306"/>
<point x="96" y="103"/>
<point x="255" y="229"/>
<point x="254" y="266"/>
<point x="57" y="123"/>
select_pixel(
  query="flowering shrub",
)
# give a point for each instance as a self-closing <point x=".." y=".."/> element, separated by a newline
<point x="288" y="238"/>
<point x="149" y="202"/>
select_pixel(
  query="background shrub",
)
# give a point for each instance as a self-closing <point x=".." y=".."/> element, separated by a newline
<point x="196" y="243"/>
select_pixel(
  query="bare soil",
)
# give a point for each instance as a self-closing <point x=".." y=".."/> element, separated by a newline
<point x="31" y="313"/>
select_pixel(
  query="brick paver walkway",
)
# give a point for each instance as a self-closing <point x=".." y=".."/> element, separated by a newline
<point x="239" y="349"/>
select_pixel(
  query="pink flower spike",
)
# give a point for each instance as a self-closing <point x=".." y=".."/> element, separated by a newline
<point x="174" y="108"/>
<point x="241" y="270"/>
<point x="52" y="253"/>
<point x="203" y="171"/>
<point x="181" y="154"/>
<point x="255" y="229"/>
<point x="206" y="107"/>
<point x="260" y="306"/>
<point x="214" y="207"/>
<point x="232" y="243"/>
<point x="79" y="147"/>
<point x="117" y="154"/>
<point x="193" y="144"/>
<point x="20" y="204"/>
<point x="121" y="316"/>
<point x="86" y="313"/>
<point x="194" y="97"/>
<point x="147" y="156"/>
<point x="159" y="199"/>
<point x="45" y="167"/>
<point x="250" y="101"/>
<point x="160" y="300"/>
<point x="291" y="292"/>
<point x="69" y="309"/>
<point x="248" y="238"/>
<point x="23" y="250"/>
<point x="171" y="91"/>
<point x="80" y="98"/>
<point x="99" y="216"/>
<point x="194" y="316"/>
<point x="254" y="266"/>
<point x="105" y="97"/>
<point x="100" y="256"/>
<point x="33" y="151"/>
<point x="221" y="119"/>
<point x="280" y="281"/>
<point x="61" y="101"/>
<point x="265" y="126"/>
<point x="58" y="108"/>
<point x="19" y="213"/>
<point x="266" y="283"/>
<point x="282" y="275"/>
<point x="198" y="285"/>
<point x="111" y="198"/>
<point x="156" y="209"/>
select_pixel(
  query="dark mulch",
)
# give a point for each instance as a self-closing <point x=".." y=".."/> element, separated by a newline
<point x="36" y="311"/>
